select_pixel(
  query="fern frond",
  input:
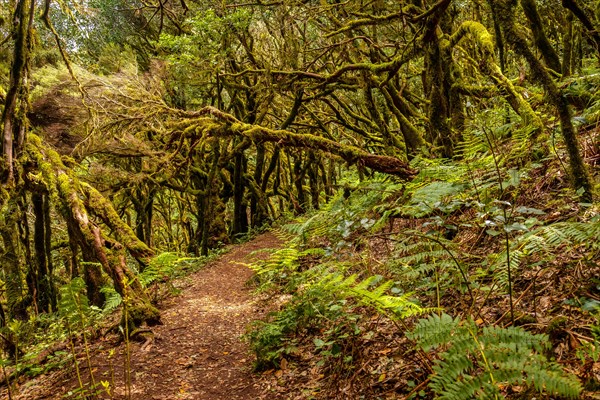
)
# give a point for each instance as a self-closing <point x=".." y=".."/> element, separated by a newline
<point x="475" y="361"/>
<point x="348" y="287"/>
<point x="112" y="299"/>
<point x="434" y="331"/>
<point x="73" y="304"/>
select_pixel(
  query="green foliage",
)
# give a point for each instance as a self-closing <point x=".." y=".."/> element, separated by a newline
<point x="321" y="293"/>
<point x="282" y="266"/>
<point x="73" y="305"/>
<point x="543" y="241"/>
<point x="591" y="350"/>
<point x="480" y="363"/>
<point x="588" y="353"/>
<point x="112" y="299"/>
<point x="347" y="213"/>
<point x="372" y="291"/>
<point x="192" y="67"/>
<point x="269" y="339"/>
<point x="415" y="256"/>
<point x="426" y="199"/>
<point x="161" y="267"/>
<point x="169" y="265"/>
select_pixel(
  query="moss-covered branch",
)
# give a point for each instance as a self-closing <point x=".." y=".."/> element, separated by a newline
<point x="484" y="39"/>
<point x="66" y="192"/>
<point x="102" y="208"/>
<point x="221" y="124"/>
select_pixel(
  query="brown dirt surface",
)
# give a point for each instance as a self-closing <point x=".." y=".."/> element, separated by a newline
<point x="198" y="351"/>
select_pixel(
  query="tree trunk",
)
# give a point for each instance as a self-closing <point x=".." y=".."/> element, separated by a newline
<point x="579" y="175"/>
<point x="13" y="134"/>
<point x="257" y="214"/>
<point x="567" y="41"/>
<point x="313" y="180"/>
<point x="240" y="217"/>
<point x="541" y="40"/>
<point x="592" y="32"/>
<point x="73" y="261"/>
<point x="67" y="190"/>
<point x="144" y="208"/>
<point x="439" y="107"/>
<point x="45" y="291"/>
<point x="210" y="200"/>
<point x="11" y="260"/>
<point x="297" y="177"/>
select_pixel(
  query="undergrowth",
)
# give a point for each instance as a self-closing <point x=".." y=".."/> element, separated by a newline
<point x="63" y="339"/>
<point x="467" y="243"/>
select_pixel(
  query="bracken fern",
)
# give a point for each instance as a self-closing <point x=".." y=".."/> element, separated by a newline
<point x="480" y="363"/>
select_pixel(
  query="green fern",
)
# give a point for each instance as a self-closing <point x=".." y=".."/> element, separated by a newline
<point x="543" y="241"/>
<point x="371" y="292"/>
<point x="112" y="299"/>
<point x="165" y="266"/>
<point x="426" y="199"/>
<point x="281" y="268"/>
<point x="420" y="258"/>
<point x="73" y="304"/>
<point x="346" y="212"/>
<point x="160" y="267"/>
<point x="478" y="363"/>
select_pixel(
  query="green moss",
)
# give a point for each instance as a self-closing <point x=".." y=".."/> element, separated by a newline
<point x="519" y="104"/>
<point x="101" y="207"/>
<point x="479" y="33"/>
<point x="140" y="312"/>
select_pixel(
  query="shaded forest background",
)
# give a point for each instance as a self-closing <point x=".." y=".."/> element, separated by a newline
<point x="462" y="134"/>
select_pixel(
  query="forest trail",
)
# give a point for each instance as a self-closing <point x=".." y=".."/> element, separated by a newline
<point x="197" y="352"/>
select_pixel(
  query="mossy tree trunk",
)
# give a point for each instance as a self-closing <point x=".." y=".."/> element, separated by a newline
<point x="313" y="180"/>
<point x="567" y="42"/>
<point x="196" y="235"/>
<point x="257" y="214"/>
<point x="73" y="259"/>
<point x="12" y="259"/>
<point x="45" y="291"/>
<point x="143" y="205"/>
<point x="578" y="172"/>
<point x="413" y="140"/>
<point x="15" y="103"/>
<point x="440" y="131"/>
<point x="588" y="22"/>
<point x="541" y="40"/>
<point x="240" y="217"/>
<point x="77" y="202"/>
<point x="297" y="174"/>
<point x="211" y="203"/>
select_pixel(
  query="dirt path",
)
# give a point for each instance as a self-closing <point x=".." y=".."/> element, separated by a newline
<point x="197" y="353"/>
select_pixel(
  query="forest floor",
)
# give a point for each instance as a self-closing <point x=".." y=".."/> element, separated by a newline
<point x="197" y="353"/>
